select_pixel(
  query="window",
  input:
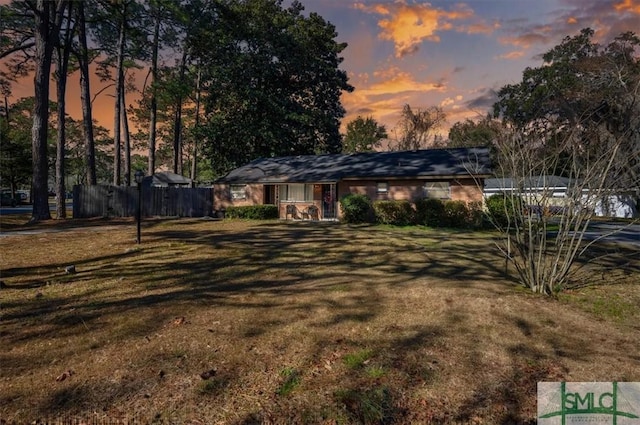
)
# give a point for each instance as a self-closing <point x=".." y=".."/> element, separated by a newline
<point x="383" y="187"/>
<point x="238" y="191"/>
<point x="438" y="190"/>
<point x="296" y="192"/>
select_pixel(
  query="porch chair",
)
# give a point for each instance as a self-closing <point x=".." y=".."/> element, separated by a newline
<point x="290" y="210"/>
<point x="312" y="212"/>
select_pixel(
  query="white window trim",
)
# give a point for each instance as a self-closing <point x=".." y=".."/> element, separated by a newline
<point x="238" y="192"/>
<point x="384" y="189"/>
<point x="285" y="192"/>
<point x="429" y="190"/>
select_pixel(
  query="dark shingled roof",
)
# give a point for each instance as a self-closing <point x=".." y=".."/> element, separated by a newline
<point x="166" y="178"/>
<point x="369" y="165"/>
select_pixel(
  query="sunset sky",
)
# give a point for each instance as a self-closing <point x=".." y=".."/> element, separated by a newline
<point x="439" y="53"/>
<point x="455" y="54"/>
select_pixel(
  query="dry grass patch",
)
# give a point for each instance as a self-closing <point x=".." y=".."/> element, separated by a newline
<point x="269" y="322"/>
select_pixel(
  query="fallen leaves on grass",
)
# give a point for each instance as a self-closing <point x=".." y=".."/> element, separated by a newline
<point x="66" y="374"/>
<point x="180" y="321"/>
<point x="208" y="374"/>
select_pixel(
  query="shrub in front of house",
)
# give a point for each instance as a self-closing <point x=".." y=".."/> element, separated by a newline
<point x="456" y="214"/>
<point x="398" y="213"/>
<point x="430" y="212"/>
<point x="477" y="217"/>
<point x="253" y="212"/>
<point x="355" y="208"/>
<point x="501" y="209"/>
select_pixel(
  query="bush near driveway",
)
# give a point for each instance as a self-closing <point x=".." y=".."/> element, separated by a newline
<point x="501" y="209"/>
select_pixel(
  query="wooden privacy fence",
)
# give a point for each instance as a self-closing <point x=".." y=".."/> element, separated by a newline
<point x="122" y="201"/>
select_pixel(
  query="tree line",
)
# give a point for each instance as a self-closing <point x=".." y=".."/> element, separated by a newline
<point x="226" y="81"/>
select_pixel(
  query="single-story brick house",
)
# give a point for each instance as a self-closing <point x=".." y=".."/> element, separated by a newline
<point x="309" y="186"/>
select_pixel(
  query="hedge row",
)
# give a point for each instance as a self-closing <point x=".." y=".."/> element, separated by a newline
<point x="253" y="212"/>
<point x="359" y="209"/>
<point x="399" y="213"/>
<point x="428" y="212"/>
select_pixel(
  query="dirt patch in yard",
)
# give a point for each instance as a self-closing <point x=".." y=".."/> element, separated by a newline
<point x="270" y="322"/>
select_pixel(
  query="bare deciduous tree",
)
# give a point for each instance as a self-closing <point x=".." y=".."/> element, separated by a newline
<point x="528" y="209"/>
<point x="416" y="128"/>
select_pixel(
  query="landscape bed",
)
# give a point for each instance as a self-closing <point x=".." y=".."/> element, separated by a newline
<point x="242" y="322"/>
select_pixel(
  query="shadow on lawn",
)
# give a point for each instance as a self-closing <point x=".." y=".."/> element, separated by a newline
<point x="54" y="272"/>
<point x="318" y="245"/>
<point x="274" y="259"/>
<point x="278" y="263"/>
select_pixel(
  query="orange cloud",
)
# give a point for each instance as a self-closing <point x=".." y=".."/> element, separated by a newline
<point x="397" y="81"/>
<point x="516" y="54"/>
<point x="409" y="25"/>
<point x="384" y="97"/>
<point x="482" y="28"/>
<point x="572" y="20"/>
<point x="385" y="110"/>
<point x="451" y="101"/>
<point x="628" y="6"/>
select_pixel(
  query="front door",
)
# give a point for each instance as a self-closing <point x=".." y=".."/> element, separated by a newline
<point x="269" y="194"/>
<point x="328" y="201"/>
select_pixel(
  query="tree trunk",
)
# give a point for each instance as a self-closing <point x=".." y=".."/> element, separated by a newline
<point x="45" y="34"/>
<point x="6" y="117"/>
<point x="85" y="97"/>
<point x="153" y="113"/>
<point x="177" y="139"/>
<point x="194" y="156"/>
<point x="6" y="110"/>
<point x="177" y="127"/>
<point x="62" y="63"/>
<point x="127" y="141"/>
<point x="118" y="97"/>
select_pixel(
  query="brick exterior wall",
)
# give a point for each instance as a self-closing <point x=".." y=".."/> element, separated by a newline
<point x="466" y="190"/>
<point x="254" y="195"/>
<point x="461" y="190"/>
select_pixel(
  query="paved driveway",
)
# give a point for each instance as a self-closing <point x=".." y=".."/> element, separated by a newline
<point x="614" y="232"/>
<point x="26" y="209"/>
<point x="20" y="209"/>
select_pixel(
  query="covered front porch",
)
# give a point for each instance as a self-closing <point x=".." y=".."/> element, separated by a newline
<point x="298" y="201"/>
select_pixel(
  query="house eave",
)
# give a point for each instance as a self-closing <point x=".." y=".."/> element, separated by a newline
<point x="421" y="177"/>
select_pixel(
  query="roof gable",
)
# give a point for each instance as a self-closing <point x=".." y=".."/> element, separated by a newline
<point x="376" y="165"/>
